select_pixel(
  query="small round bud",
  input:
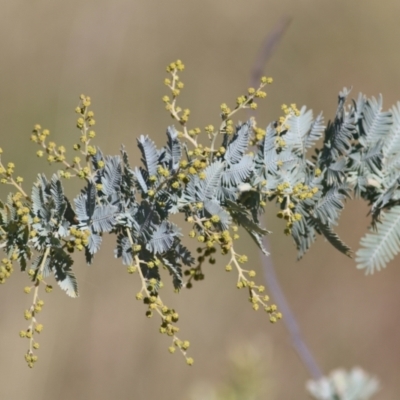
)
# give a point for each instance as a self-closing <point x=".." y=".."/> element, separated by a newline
<point x="132" y="269"/>
<point x="185" y="345"/>
<point x="189" y="361"/>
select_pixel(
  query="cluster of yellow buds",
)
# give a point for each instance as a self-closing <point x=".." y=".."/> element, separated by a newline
<point x="194" y="132"/>
<point x="290" y="110"/>
<point x="6" y="269"/>
<point x="55" y="154"/>
<point x="210" y="237"/>
<point x="247" y="100"/>
<point x="259" y="135"/>
<point x="209" y="129"/>
<point x="169" y="316"/>
<point x="176" y="66"/>
<point x="30" y="358"/>
<point x="257" y="297"/>
<point x="225" y="110"/>
<point x="196" y="273"/>
<point x="34" y="327"/>
<point x="39" y="135"/>
<point x="22" y="207"/>
<point x="163" y="171"/>
<point x="183" y="346"/>
<point x="176" y="85"/>
<point x="84" y="123"/>
<point x="290" y="218"/>
<point x="303" y="192"/>
<point x="299" y="192"/>
<point x="6" y="173"/>
<point x="79" y="241"/>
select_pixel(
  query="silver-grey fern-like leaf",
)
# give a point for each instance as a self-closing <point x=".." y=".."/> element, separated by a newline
<point x="336" y="172"/>
<point x="111" y="179"/>
<point x="58" y="197"/>
<point x="103" y="219"/>
<point x="162" y="238"/>
<point x="378" y="248"/>
<point x="140" y="180"/>
<point x="333" y="238"/>
<point x="128" y="178"/>
<point x="208" y="186"/>
<point x="286" y="160"/>
<point x="303" y="231"/>
<point x="238" y="144"/>
<point x="329" y="206"/>
<point x="214" y="208"/>
<point x="224" y="193"/>
<point x="174" y="148"/>
<point x="39" y="198"/>
<point x="80" y="208"/>
<point x="61" y="264"/>
<point x="299" y="126"/>
<point x="376" y="123"/>
<point x="237" y="173"/>
<point x="242" y="217"/>
<point x="90" y="198"/>
<point x="184" y="254"/>
<point x="369" y="161"/>
<point x="175" y="270"/>
<point x="391" y="143"/>
<point x="37" y="262"/>
<point x="124" y="249"/>
<point x="315" y="133"/>
<point x="94" y="243"/>
<point x="267" y="157"/>
<point x="358" y="107"/>
<point x="69" y="283"/>
<point x="339" y="133"/>
<point x="149" y="154"/>
<point x="258" y="241"/>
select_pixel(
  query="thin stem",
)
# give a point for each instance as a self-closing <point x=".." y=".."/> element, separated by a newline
<point x="267" y="49"/>
<point x="175" y="113"/>
<point x="158" y="309"/>
<point x="289" y="320"/>
<point x="35" y="298"/>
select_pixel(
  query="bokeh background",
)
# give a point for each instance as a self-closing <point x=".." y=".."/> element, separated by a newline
<point x="101" y="346"/>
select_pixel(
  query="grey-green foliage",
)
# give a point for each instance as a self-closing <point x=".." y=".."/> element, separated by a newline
<point x="359" y="155"/>
<point x="344" y="385"/>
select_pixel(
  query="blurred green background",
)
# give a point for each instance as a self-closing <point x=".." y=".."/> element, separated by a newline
<point x="101" y="346"/>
